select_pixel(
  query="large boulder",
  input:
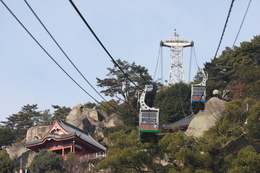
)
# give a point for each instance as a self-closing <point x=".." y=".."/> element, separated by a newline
<point x="20" y="155"/>
<point x="16" y="150"/>
<point x="95" y="114"/>
<point x="204" y="120"/>
<point x="113" y="120"/>
<point x="93" y="121"/>
<point x="36" y="132"/>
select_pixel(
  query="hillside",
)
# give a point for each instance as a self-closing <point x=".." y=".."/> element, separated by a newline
<point x="236" y="72"/>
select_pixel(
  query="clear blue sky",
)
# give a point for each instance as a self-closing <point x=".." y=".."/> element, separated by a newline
<point x="130" y="30"/>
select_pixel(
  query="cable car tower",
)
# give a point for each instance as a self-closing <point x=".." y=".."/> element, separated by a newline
<point x="176" y="45"/>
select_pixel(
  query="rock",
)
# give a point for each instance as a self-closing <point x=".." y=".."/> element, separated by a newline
<point x="92" y="121"/>
<point x="79" y="110"/>
<point x="204" y="120"/>
<point x="16" y="150"/>
<point x="84" y="118"/>
<point x="113" y="120"/>
<point x="36" y="132"/>
<point x="225" y="94"/>
<point x="78" y="120"/>
<point x="20" y="155"/>
<point x="76" y="110"/>
<point x="93" y="114"/>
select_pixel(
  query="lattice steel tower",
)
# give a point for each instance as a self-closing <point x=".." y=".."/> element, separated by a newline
<point x="176" y="45"/>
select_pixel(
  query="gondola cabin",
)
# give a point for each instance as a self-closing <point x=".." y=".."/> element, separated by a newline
<point x="148" y="119"/>
<point x="198" y="98"/>
<point x="148" y="125"/>
<point x="198" y="94"/>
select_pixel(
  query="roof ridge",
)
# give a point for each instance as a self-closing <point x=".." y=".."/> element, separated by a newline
<point x="86" y="136"/>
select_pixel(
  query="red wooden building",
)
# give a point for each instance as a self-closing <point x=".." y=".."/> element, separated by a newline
<point x="63" y="138"/>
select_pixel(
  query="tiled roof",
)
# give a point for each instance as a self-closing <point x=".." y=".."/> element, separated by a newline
<point x="55" y="136"/>
<point x="183" y="122"/>
<point x="80" y="133"/>
<point x="72" y="130"/>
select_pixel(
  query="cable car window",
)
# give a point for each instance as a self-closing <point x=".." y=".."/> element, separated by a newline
<point x="149" y="117"/>
<point x="198" y="90"/>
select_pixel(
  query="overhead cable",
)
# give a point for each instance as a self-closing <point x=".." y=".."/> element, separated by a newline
<point x="195" y="57"/>
<point x="181" y="100"/>
<point x="224" y="28"/>
<point x="86" y="23"/>
<point x="65" y="53"/>
<point x="230" y="72"/>
<point x="46" y="51"/>
<point x="190" y="65"/>
<point x="242" y="23"/>
<point x="159" y="62"/>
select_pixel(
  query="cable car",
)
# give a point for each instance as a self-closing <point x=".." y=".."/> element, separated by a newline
<point x="148" y="119"/>
<point x="198" y="94"/>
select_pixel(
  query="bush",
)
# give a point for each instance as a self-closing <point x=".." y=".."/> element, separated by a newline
<point x="46" y="162"/>
<point x="6" y="163"/>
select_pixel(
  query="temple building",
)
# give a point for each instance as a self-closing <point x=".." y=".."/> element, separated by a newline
<point x="63" y="138"/>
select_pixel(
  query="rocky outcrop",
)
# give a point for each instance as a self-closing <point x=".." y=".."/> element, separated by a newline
<point x="16" y="150"/>
<point x="113" y="120"/>
<point x="21" y="155"/>
<point x="93" y="121"/>
<point x="36" y="132"/>
<point x="204" y="120"/>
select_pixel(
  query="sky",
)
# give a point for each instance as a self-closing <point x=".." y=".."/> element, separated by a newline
<point x="130" y="31"/>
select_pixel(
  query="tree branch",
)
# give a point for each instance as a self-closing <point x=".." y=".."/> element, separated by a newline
<point x="232" y="140"/>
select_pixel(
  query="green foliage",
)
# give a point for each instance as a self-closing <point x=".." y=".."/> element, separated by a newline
<point x="19" y="123"/>
<point x="252" y="122"/>
<point x="129" y="116"/>
<point x="126" y="154"/>
<point x="237" y="129"/>
<point x="45" y="116"/>
<point x="46" y="162"/>
<point x="182" y="153"/>
<point x="29" y="116"/>
<point x="247" y="160"/>
<point x="6" y="163"/>
<point x="60" y="112"/>
<point x="232" y="145"/>
<point x="109" y="107"/>
<point x="90" y="105"/>
<point x="7" y="136"/>
<point x="71" y="162"/>
<point x="125" y="129"/>
<point x="235" y="68"/>
<point x="174" y="103"/>
<point x="118" y="84"/>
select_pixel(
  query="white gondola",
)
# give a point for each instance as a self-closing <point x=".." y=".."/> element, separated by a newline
<point x="148" y="119"/>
